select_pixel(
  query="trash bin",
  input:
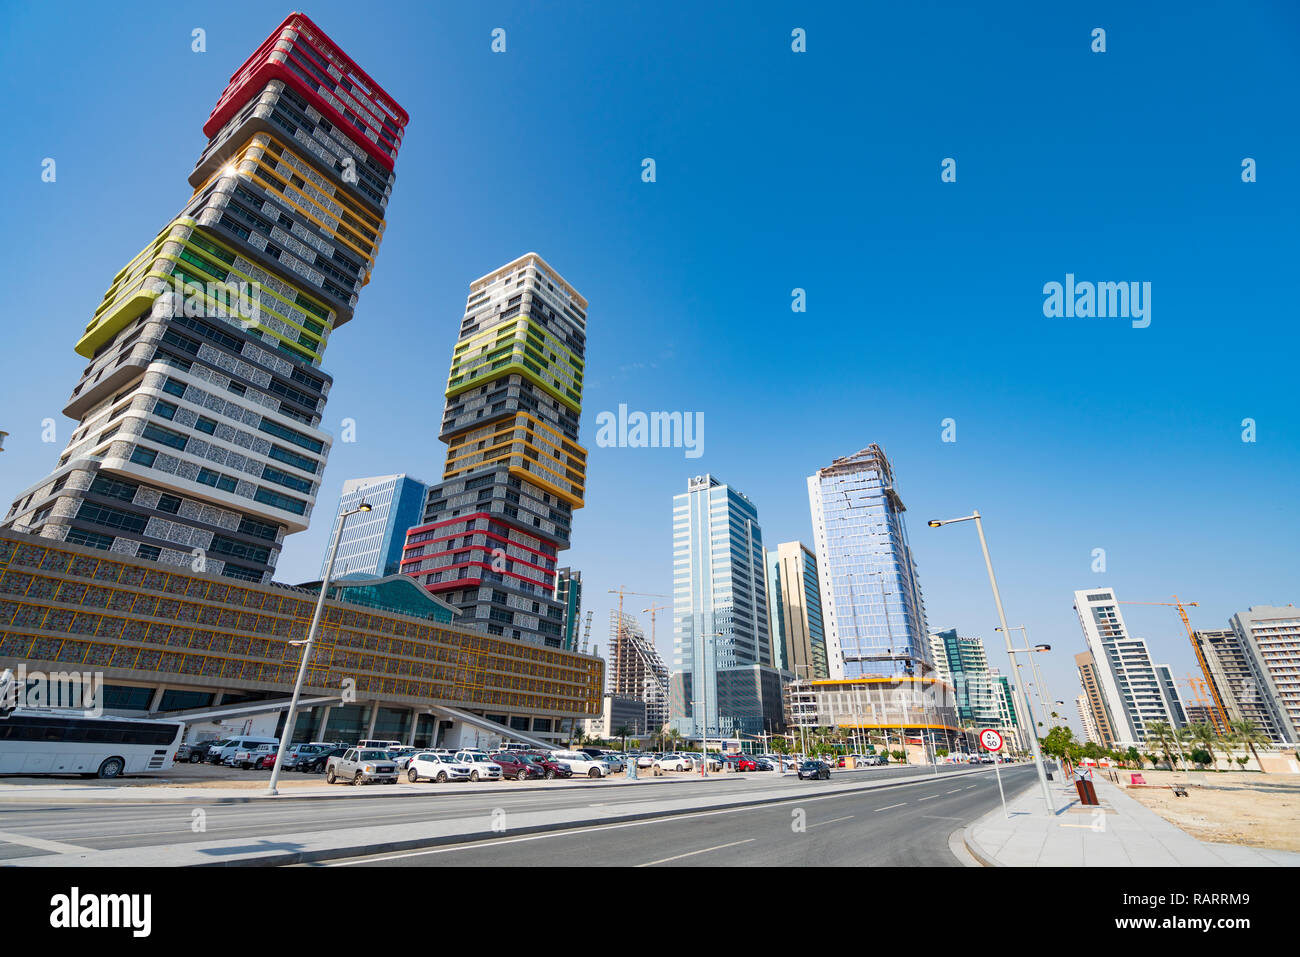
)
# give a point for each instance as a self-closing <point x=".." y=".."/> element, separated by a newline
<point x="1087" y="793"/>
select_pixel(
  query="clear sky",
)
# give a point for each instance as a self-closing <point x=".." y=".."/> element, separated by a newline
<point x="775" y="170"/>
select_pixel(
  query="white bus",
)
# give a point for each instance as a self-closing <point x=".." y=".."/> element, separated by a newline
<point x="38" y="741"/>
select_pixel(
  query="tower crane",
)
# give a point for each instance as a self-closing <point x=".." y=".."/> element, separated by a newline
<point x="1218" y="714"/>
<point x="586" y="632"/>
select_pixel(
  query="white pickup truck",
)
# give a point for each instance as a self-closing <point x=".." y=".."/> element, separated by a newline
<point x="361" y="766"/>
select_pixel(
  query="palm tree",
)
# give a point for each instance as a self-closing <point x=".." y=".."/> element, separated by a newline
<point x="1160" y="734"/>
<point x="622" y="731"/>
<point x="673" y="735"/>
<point x="1204" y="734"/>
<point x="1250" y="734"/>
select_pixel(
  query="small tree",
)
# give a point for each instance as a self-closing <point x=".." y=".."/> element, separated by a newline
<point x="1154" y="759"/>
<point x="900" y="756"/>
<point x="1242" y="762"/>
<point x="1201" y="757"/>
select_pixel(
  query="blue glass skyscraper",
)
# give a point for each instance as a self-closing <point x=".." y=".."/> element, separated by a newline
<point x="872" y="609"/>
<point x="372" y="541"/>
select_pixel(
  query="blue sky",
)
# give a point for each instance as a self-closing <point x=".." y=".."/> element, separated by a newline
<point x="775" y="170"/>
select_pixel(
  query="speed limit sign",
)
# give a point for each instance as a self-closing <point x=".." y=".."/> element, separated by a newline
<point x="990" y="740"/>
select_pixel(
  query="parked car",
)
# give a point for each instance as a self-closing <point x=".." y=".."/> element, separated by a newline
<point x="298" y="753"/>
<point x="481" y="766"/>
<point x="675" y="762"/>
<point x="514" y="767"/>
<point x="381" y="745"/>
<point x="550" y="769"/>
<point x="616" y="762"/>
<point x="401" y="756"/>
<point x="224" y="754"/>
<point x="814" y="771"/>
<point x="645" y="761"/>
<point x="746" y="763"/>
<point x="194" y="752"/>
<point x="441" y="768"/>
<point x="316" y="763"/>
<point x="871" y="761"/>
<point x="580" y="763"/>
<point x="361" y="766"/>
<point x="251" y="757"/>
<point x="765" y="764"/>
<point x="268" y="761"/>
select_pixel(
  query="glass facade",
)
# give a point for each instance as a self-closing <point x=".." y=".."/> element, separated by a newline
<point x="372" y="541"/>
<point x="871" y="599"/>
<point x="719" y="606"/>
<point x="794" y="611"/>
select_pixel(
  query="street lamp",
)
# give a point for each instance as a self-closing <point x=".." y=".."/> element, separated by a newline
<point x="1040" y="687"/>
<point x="704" y="700"/>
<point x="306" y="645"/>
<point x="997" y="600"/>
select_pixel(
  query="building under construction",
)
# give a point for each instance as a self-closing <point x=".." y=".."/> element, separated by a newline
<point x="635" y="669"/>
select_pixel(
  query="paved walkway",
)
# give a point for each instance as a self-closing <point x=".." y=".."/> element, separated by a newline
<point x="1124" y="834"/>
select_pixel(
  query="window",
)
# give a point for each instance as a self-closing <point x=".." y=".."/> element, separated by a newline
<point x="168" y="503"/>
<point x="143" y="456"/>
<point x="166" y="436"/>
<point x="228" y="546"/>
<point x="285" y="479"/>
<point x="206" y="425"/>
<point x="268" y="497"/>
<point x="111" y="517"/>
<point x="103" y="485"/>
<point x="78" y="536"/>
<point x="242" y="573"/>
<point x="164" y="410"/>
<point x="174" y="387"/>
<point x="148" y="552"/>
<point x="293" y="458"/>
<point x="289" y="435"/>
<point x="217" y="480"/>
<point x="238" y="388"/>
<point x="251" y="526"/>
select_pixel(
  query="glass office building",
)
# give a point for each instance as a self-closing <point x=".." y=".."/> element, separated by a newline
<point x="719" y="607"/>
<point x="794" y="611"/>
<point x="372" y="541"/>
<point x="872" y="609"/>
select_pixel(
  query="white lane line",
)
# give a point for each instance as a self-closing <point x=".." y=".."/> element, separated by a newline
<point x="831" y="821"/>
<point x="972" y="787"/>
<point x="40" y="844"/>
<point x="703" y="850"/>
<point x="929" y="797"/>
<point x="891" y="807"/>
<point x="955" y="790"/>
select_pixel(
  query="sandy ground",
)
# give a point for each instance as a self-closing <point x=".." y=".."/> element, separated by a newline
<point x="1251" y="809"/>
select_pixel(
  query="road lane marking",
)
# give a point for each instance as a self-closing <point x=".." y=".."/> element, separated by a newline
<point x="831" y="821"/>
<point x="929" y="797"/>
<point x="891" y="807"/>
<point x="955" y="790"/>
<point x="703" y="850"/>
<point x="972" y="787"/>
<point x="41" y="844"/>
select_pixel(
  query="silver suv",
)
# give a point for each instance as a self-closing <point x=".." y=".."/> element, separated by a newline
<point x="361" y="766"/>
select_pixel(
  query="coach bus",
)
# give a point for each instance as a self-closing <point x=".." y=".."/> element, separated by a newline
<point x="38" y="741"/>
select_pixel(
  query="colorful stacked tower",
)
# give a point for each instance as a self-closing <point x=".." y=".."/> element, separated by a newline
<point x="515" y="472"/>
<point x="198" y="439"/>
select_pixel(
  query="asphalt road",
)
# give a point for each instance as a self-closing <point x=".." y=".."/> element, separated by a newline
<point x="903" y="826"/>
<point x="27" y="831"/>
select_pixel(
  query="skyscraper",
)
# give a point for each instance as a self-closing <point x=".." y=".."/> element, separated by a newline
<point x="719" y="607"/>
<point x="1090" y="729"/>
<point x="964" y="664"/>
<point x="492" y="529"/>
<point x="568" y="592"/>
<point x="197" y="441"/>
<point x="1238" y="680"/>
<point x="636" y="671"/>
<point x="871" y="599"/>
<point x="1271" y="636"/>
<point x="1099" y="713"/>
<point x="794" y="611"/>
<point x="1173" y="700"/>
<point x="1127" y="677"/>
<point x="372" y="541"/>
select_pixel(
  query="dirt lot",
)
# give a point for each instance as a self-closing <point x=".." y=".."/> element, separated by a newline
<point x="1255" y="810"/>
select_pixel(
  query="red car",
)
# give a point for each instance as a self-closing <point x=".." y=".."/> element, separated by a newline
<point x="516" y="766"/>
<point x="550" y="769"/>
<point x="267" y="763"/>
<point x="744" y="762"/>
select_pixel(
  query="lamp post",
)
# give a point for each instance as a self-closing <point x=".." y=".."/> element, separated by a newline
<point x="1002" y="617"/>
<point x="1040" y="688"/>
<point x="307" y="644"/>
<point x="704" y="700"/>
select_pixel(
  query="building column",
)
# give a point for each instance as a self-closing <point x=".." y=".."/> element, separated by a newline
<point x="157" y="698"/>
<point x="374" y="716"/>
<point x="410" y="731"/>
<point x="323" y="727"/>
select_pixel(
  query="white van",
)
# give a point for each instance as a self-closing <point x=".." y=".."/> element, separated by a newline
<point x="226" y="753"/>
<point x="381" y="745"/>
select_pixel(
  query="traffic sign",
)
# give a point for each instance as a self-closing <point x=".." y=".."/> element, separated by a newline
<point x="990" y="740"/>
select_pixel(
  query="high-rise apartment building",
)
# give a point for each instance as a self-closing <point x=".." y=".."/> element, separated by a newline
<point x="1238" y="680"/>
<point x="1012" y="721"/>
<point x="794" y="611"/>
<point x="371" y="543"/>
<point x="963" y="663"/>
<point x="492" y="529"/>
<point x="198" y="439"/>
<point x="1090" y="730"/>
<point x="1173" y="699"/>
<point x="636" y="671"/>
<point x="1271" y="635"/>
<point x="568" y="592"/>
<point x="1096" y="701"/>
<point x="719" y="607"/>
<point x="1129" y="682"/>
<point x="872" y="609"/>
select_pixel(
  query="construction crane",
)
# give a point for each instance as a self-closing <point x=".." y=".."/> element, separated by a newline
<point x="1218" y="713"/>
<point x="651" y="610"/>
<point x="586" y="632"/>
<point x="622" y="590"/>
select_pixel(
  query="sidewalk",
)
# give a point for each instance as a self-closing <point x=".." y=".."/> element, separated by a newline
<point x="1123" y="834"/>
